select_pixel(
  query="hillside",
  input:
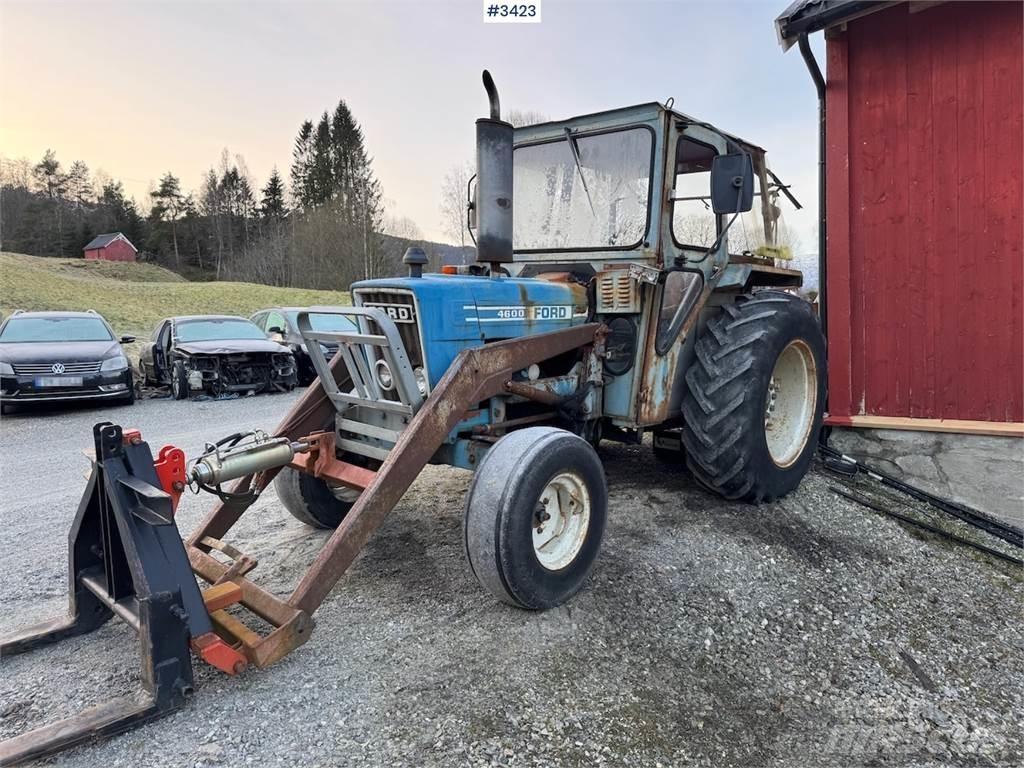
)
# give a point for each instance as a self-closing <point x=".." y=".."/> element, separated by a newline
<point x="134" y="297"/>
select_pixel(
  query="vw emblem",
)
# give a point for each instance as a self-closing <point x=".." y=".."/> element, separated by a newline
<point x="57" y="367"/>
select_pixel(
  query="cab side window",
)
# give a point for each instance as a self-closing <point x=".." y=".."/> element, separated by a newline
<point x="694" y="224"/>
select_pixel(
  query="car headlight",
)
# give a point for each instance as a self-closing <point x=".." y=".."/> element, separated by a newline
<point x="118" y="363"/>
<point x="6" y="369"/>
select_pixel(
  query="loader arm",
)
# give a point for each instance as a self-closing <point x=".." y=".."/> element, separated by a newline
<point x="475" y="375"/>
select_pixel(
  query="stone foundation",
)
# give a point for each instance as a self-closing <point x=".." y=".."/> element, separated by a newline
<point x="986" y="473"/>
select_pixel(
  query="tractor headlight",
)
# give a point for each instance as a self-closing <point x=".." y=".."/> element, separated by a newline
<point x="6" y="369"/>
<point x="421" y="380"/>
<point x="118" y="363"/>
<point x="382" y="372"/>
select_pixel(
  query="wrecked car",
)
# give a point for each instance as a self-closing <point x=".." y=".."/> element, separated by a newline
<point x="216" y="355"/>
<point x="281" y="324"/>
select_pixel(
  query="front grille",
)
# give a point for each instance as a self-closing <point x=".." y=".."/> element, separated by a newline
<point x="47" y="369"/>
<point x="401" y="308"/>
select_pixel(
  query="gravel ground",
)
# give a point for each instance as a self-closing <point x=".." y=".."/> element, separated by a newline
<point x="806" y="632"/>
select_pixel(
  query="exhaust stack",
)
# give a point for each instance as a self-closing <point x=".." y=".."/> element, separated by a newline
<point x="494" y="183"/>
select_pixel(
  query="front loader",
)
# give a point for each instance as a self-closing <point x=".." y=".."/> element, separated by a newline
<point x="600" y="310"/>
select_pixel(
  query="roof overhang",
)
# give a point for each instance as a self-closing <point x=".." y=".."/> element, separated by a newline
<point x="807" y="16"/>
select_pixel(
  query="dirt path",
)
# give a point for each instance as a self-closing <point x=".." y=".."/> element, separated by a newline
<point x="803" y="632"/>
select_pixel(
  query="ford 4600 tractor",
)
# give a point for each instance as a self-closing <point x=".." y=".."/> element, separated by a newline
<point x="604" y="304"/>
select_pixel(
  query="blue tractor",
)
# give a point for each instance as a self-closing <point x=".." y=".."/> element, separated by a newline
<point x="604" y="304"/>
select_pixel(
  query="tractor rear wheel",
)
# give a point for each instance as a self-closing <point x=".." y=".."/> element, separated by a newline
<point x="312" y="501"/>
<point x="755" y="397"/>
<point x="535" y="516"/>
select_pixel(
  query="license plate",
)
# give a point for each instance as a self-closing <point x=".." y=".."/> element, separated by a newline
<point x="58" y="381"/>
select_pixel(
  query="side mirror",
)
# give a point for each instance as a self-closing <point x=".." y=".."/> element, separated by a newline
<point x="732" y="183"/>
<point x="127" y="340"/>
<point x="471" y="204"/>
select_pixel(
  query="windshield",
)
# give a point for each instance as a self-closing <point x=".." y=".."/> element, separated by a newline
<point x="19" y="329"/>
<point x="599" y="202"/>
<point x="217" y="330"/>
<point x="325" y="322"/>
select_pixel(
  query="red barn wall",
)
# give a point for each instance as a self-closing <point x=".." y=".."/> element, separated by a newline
<point x="924" y="198"/>
<point x="118" y="250"/>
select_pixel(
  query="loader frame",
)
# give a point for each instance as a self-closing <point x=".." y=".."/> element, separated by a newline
<point x="476" y="375"/>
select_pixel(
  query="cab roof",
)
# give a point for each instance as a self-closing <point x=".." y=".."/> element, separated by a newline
<point x="621" y="116"/>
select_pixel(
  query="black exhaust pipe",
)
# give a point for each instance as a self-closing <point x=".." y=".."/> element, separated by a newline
<point x="493" y="184"/>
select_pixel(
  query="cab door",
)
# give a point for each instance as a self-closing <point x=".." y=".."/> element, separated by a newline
<point x="160" y="351"/>
<point x="688" y="230"/>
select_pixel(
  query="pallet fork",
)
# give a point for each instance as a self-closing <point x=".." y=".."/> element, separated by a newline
<point x="126" y="558"/>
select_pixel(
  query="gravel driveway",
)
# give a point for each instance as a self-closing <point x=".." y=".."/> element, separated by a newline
<point x="806" y="632"/>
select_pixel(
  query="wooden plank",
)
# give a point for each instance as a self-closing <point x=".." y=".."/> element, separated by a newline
<point x="973" y="370"/>
<point x="837" y="206"/>
<point x="958" y="426"/>
<point x="944" y="294"/>
<point x="921" y="261"/>
<point x="872" y="263"/>
<point x="1002" y="85"/>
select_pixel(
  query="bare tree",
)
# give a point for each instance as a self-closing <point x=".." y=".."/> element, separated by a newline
<point x="520" y="118"/>
<point x="453" y="202"/>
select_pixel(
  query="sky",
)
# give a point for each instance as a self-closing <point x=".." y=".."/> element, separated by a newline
<point x="140" y="88"/>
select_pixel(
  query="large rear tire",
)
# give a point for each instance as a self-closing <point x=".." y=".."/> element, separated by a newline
<point x="311" y="501"/>
<point x="535" y="517"/>
<point x="755" y="397"/>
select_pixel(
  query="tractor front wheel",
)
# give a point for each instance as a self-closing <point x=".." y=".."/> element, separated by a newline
<point x="535" y="516"/>
<point x="312" y="501"/>
<point x="755" y="397"/>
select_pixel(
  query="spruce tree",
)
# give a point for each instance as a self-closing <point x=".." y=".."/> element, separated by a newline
<point x="272" y="206"/>
<point x="302" y="161"/>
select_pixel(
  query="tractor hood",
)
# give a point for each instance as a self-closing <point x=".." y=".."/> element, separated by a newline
<point x="465" y="307"/>
<point x="456" y="312"/>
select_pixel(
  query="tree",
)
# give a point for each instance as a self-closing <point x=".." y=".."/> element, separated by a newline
<point x="523" y="117"/>
<point x="302" y="163"/>
<point x="272" y="206"/>
<point x="168" y="206"/>
<point x="48" y="175"/>
<point x="321" y="171"/>
<point x="78" y="184"/>
<point x="454" y="188"/>
<point x="53" y="184"/>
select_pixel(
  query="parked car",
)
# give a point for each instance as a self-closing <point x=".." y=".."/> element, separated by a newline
<point x="280" y="325"/>
<point x="215" y="354"/>
<point x="47" y="356"/>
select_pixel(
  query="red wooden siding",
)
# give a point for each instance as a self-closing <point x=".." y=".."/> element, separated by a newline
<point x="118" y="250"/>
<point x="925" y="165"/>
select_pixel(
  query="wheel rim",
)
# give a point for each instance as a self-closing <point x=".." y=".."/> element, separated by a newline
<point x="347" y="495"/>
<point x="790" y="403"/>
<point x="561" y="522"/>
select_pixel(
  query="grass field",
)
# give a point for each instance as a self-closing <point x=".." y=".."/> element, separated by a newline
<point x="134" y="297"/>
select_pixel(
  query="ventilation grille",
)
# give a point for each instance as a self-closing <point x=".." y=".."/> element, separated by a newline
<point x="617" y="293"/>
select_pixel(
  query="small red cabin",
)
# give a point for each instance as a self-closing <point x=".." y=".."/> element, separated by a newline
<point x="112" y="247"/>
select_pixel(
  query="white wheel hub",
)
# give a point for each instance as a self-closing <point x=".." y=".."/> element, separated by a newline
<point x="561" y="521"/>
<point x="790" y="403"/>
